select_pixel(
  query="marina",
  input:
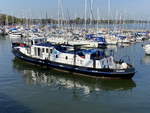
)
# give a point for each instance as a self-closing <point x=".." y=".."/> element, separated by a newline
<point x="23" y="47"/>
<point x="29" y="84"/>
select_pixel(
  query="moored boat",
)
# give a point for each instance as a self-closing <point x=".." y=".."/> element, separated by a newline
<point x="93" y="62"/>
<point x="147" y="49"/>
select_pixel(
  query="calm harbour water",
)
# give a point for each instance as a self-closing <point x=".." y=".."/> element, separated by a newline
<point x="25" y="88"/>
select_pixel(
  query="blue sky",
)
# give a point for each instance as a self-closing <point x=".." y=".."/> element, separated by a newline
<point x="133" y="9"/>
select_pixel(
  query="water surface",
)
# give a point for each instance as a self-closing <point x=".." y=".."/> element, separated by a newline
<point x="26" y="88"/>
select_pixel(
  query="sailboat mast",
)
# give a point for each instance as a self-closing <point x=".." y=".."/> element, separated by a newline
<point x="108" y="14"/>
<point x="85" y="14"/>
<point x="6" y="20"/>
<point x="91" y="12"/>
<point x="62" y="13"/>
<point x="97" y="18"/>
<point x="58" y="14"/>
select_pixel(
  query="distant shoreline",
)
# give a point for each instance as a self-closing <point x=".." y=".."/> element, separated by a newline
<point x="9" y="20"/>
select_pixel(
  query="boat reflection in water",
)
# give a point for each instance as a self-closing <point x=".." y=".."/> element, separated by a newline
<point x="146" y="59"/>
<point x="37" y="75"/>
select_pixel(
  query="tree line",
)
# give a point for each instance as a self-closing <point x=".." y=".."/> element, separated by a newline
<point x="11" y="20"/>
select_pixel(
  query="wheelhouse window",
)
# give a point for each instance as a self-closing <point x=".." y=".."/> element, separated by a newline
<point x="31" y="42"/>
<point x="47" y="50"/>
<point x="36" y="42"/>
<point x="43" y="50"/>
<point x="81" y="55"/>
<point x="39" y="51"/>
<point x="51" y="50"/>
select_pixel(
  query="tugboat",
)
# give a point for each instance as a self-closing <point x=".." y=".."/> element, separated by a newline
<point x="92" y="62"/>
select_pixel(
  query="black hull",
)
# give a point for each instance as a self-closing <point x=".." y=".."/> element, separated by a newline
<point x="105" y="73"/>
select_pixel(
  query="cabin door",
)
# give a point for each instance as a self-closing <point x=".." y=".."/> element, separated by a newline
<point x="39" y="52"/>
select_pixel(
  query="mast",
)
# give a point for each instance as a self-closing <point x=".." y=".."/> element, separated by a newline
<point x="62" y="13"/>
<point x="91" y="11"/>
<point x="58" y="14"/>
<point x="85" y="14"/>
<point x="97" y="18"/>
<point x="12" y="19"/>
<point x="108" y="14"/>
<point x="6" y="20"/>
<point x="46" y="22"/>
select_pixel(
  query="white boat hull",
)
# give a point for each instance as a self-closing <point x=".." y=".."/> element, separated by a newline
<point x="147" y="49"/>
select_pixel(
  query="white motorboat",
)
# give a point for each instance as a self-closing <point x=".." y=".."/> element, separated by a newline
<point x="147" y="49"/>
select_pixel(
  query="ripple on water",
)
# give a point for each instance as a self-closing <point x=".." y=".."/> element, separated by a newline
<point x="9" y="105"/>
<point x="25" y="88"/>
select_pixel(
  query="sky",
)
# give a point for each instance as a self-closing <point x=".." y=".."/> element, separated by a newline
<point x="127" y="9"/>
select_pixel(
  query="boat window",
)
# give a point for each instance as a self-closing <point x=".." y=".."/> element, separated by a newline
<point x="51" y="50"/>
<point x="39" y="52"/>
<point x="66" y="57"/>
<point x="81" y="55"/>
<point x="97" y="55"/>
<point x="31" y="42"/>
<point x="36" y="42"/>
<point x="47" y="50"/>
<point x="56" y="56"/>
<point x="43" y="50"/>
